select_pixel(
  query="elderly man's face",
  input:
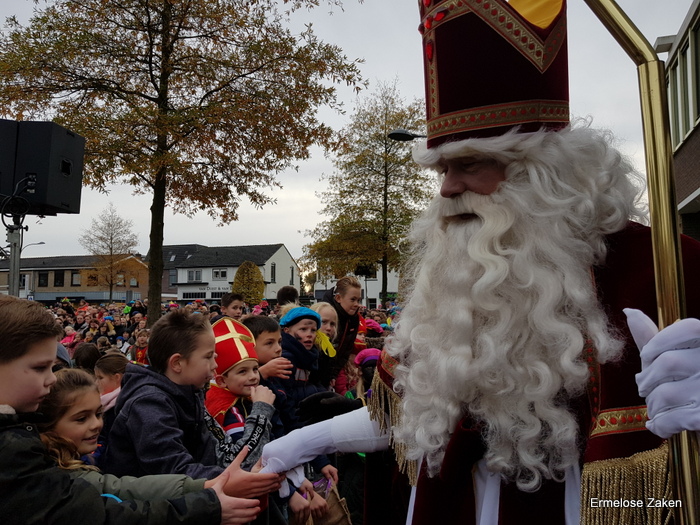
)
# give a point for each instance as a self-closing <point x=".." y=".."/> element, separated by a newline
<point x="469" y="174"/>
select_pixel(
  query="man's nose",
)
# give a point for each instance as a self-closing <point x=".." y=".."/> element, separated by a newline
<point x="453" y="185"/>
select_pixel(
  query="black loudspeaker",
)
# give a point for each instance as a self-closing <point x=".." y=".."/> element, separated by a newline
<point x="8" y="147"/>
<point x="54" y="156"/>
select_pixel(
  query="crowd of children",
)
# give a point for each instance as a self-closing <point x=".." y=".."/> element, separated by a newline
<point x="178" y="413"/>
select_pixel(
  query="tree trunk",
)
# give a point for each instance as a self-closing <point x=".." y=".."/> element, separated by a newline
<point x="155" y="262"/>
<point x="385" y="278"/>
<point x="160" y="185"/>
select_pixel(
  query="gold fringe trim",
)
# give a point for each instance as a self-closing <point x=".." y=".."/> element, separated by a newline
<point x="631" y="482"/>
<point x="384" y="401"/>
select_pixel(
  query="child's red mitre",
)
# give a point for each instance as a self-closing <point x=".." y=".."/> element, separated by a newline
<point x="234" y="343"/>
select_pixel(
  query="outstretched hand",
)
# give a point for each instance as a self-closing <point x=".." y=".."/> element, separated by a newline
<point x="242" y="484"/>
<point x="670" y="376"/>
<point x="325" y="405"/>
<point x="234" y="510"/>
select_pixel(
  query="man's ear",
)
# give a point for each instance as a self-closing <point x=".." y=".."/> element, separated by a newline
<point x="175" y="363"/>
<point x="220" y="381"/>
<point x="285" y="330"/>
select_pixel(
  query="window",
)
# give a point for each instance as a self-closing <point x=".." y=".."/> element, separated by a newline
<point x="75" y="278"/>
<point x="674" y="106"/>
<point x="218" y="274"/>
<point x="273" y="273"/>
<point x="172" y="277"/>
<point x="218" y="295"/>
<point x="291" y="276"/>
<point x="43" y="280"/>
<point x="58" y="277"/>
<point x="694" y="80"/>
<point x="120" y="279"/>
<point x="92" y="279"/>
<point x="133" y="282"/>
<point x="194" y="295"/>
<point x="194" y="275"/>
<point x="23" y="281"/>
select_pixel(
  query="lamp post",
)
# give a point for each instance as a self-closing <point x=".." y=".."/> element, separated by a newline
<point x="404" y="135"/>
<point x="14" y="237"/>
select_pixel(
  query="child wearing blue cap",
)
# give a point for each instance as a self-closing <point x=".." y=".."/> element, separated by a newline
<point x="299" y="326"/>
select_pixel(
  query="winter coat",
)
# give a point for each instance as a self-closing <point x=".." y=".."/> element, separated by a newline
<point x="162" y="486"/>
<point x="252" y="421"/>
<point x="159" y="428"/>
<point x="298" y="386"/>
<point x="35" y="491"/>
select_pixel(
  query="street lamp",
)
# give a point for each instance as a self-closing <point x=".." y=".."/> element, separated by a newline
<point x="403" y="135"/>
<point x="16" y="249"/>
<point x="32" y="244"/>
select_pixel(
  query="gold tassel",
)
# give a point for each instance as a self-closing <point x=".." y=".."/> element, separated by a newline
<point x="628" y="483"/>
<point x="384" y="401"/>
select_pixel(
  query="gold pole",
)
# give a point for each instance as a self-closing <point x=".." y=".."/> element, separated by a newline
<point x="668" y="268"/>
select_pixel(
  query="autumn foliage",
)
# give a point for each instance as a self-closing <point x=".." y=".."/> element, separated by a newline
<point x="197" y="102"/>
<point x="249" y="282"/>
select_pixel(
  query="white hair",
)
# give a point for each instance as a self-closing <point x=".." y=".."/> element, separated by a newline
<point x="501" y="305"/>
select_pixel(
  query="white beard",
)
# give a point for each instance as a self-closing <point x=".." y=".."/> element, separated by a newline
<point x="496" y="324"/>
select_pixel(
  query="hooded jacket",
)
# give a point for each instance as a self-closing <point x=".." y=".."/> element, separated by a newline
<point x="35" y="491"/>
<point x="159" y="428"/>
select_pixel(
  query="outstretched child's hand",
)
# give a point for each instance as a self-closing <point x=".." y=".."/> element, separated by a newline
<point x="234" y="510"/>
<point x="318" y="506"/>
<point x="262" y="394"/>
<point x="243" y="484"/>
<point x="300" y="507"/>
<point x="278" y="367"/>
<point x="331" y="473"/>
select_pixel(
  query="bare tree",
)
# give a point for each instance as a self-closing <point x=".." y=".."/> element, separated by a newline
<point x="111" y="241"/>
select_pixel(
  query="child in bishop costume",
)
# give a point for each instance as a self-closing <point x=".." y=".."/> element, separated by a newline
<point x="237" y="401"/>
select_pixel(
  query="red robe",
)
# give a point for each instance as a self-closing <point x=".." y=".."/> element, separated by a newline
<point x="611" y="415"/>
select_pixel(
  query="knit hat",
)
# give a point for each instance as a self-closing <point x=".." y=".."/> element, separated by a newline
<point x="298" y="314"/>
<point x="234" y="343"/>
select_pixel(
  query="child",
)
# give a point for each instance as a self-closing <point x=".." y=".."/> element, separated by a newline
<point x="159" y="426"/>
<point x="109" y="371"/>
<point x="345" y="298"/>
<point x="33" y="489"/>
<point x="299" y="326"/>
<point x="139" y="350"/>
<point x="268" y="347"/>
<point x="72" y="417"/>
<point x="85" y="356"/>
<point x="324" y="342"/>
<point x="237" y="402"/>
<point x="268" y="338"/>
<point x="231" y="306"/>
<point x="273" y="367"/>
<point x="329" y="319"/>
<point x="70" y="334"/>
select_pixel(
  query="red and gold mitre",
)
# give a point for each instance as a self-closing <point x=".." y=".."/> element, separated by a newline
<point x="492" y="65"/>
<point x="234" y="343"/>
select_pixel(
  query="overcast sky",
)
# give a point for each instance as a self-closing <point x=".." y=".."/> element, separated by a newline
<point x="603" y="84"/>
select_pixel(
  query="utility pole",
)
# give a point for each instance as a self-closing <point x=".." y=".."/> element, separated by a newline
<point x="14" y="238"/>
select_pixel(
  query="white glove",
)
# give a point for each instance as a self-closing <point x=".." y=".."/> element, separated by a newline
<point x="295" y="477"/>
<point x="670" y="376"/>
<point x="351" y="432"/>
